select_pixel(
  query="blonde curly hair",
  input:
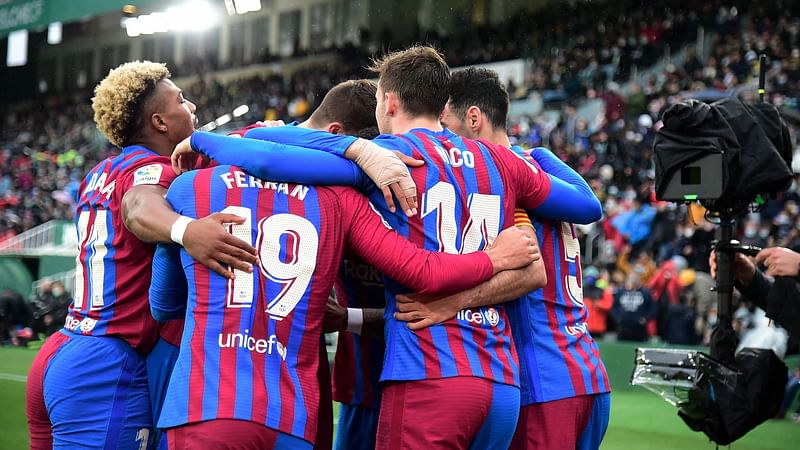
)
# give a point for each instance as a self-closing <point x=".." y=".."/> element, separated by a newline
<point x="119" y="98"/>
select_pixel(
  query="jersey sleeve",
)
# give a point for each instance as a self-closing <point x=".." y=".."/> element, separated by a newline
<point x="180" y="191"/>
<point x="570" y="198"/>
<point x="530" y="183"/>
<point x="278" y="162"/>
<point x="521" y="219"/>
<point x="303" y="137"/>
<point x="371" y="237"/>
<point x="168" y="286"/>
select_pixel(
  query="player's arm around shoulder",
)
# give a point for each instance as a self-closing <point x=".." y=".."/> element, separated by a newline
<point x="148" y="214"/>
<point x="422" y="311"/>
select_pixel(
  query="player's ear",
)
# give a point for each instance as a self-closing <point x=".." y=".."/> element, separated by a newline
<point x="390" y="103"/>
<point x="157" y="121"/>
<point x="474" y="118"/>
<point x="335" y="128"/>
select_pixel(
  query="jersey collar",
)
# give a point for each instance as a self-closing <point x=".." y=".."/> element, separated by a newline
<point x="445" y="132"/>
<point x="137" y="148"/>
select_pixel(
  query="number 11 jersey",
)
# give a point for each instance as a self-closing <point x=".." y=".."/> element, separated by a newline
<point x="113" y="266"/>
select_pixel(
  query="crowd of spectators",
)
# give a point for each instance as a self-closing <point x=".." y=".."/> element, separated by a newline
<point x="646" y="271"/>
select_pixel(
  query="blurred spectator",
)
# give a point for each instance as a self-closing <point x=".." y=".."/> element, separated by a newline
<point x="15" y="319"/>
<point x="598" y="300"/>
<point x="792" y="388"/>
<point x="633" y="308"/>
<point x="680" y="320"/>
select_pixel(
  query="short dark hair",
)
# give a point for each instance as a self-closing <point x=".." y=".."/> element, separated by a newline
<point x="418" y="75"/>
<point x="351" y="103"/>
<point x="482" y="88"/>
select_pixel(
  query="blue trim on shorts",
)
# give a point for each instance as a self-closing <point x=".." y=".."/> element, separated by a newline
<point x="357" y="428"/>
<point x="592" y="435"/>
<point x="160" y="362"/>
<point x="498" y="429"/>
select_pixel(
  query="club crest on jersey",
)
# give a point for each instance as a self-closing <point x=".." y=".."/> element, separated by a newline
<point x="148" y="174"/>
<point x="578" y="329"/>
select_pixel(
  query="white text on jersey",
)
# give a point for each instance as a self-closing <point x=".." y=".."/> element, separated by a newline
<point x="456" y="157"/>
<point x="240" y="179"/>
<point x="262" y="346"/>
<point x="98" y="182"/>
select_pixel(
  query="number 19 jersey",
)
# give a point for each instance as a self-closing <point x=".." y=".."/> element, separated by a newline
<point x="250" y="346"/>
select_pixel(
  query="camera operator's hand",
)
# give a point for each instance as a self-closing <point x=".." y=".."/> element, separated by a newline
<point x="779" y="261"/>
<point x="743" y="267"/>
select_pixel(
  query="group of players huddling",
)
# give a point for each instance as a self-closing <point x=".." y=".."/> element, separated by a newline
<point x="201" y="298"/>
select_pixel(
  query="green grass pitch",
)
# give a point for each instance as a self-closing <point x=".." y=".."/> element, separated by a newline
<point x="639" y="420"/>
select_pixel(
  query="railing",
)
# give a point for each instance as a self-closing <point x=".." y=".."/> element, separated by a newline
<point x="51" y="238"/>
<point x="66" y="278"/>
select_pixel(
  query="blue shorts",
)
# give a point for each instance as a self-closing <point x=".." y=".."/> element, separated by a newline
<point x="95" y="392"/>
<point x="501" y="421"/>
<point x="592" y="434"/>
<point x="160" y="362"/>
<point x="357" y="428"/>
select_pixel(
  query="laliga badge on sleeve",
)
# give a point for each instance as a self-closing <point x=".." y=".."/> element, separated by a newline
<point x="148" y="174"/>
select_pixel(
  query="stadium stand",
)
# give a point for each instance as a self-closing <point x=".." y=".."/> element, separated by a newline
<point x="635" y="60"/>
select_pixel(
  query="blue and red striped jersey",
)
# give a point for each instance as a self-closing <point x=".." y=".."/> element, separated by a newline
<point x="359" y="359"/>
<point x="558" y="357"/>
<point x="467" y="191"/>
<point x="250" y="346"/>
<point x="113" y="267"/>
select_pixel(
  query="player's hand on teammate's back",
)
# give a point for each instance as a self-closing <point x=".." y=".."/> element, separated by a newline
<point x="512" y="249"/>
<point x="408" y="160"/>
<point x="422" y="311"/>
<point x="387" y="171"/>
<point x="335" y="318"/>
<point x="208" y="241"/>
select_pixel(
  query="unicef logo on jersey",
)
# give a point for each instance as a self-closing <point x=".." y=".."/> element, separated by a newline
<point x="489" y="316"/>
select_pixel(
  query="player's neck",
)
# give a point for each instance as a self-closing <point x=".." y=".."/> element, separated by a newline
<point x="403" y="124"/>
<point x="160" y="146"/>
<point x="498" y="136"/>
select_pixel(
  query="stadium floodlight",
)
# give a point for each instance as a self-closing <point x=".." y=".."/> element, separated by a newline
<point x="189" y="16"/>
<point x="132" y="26"/>
<point x="146" y="24"/>
<point x="203" y="15"/>
<point x="222" y="120"/>
<point x="17" y="53"/>
<point x="54" y="33"/>
<point x="240" y="110"/>
<point x="230" y="8"/>
<point x="246" y="6"/>
<point x="160" y="22"/>
<point x="210" y="126"/>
